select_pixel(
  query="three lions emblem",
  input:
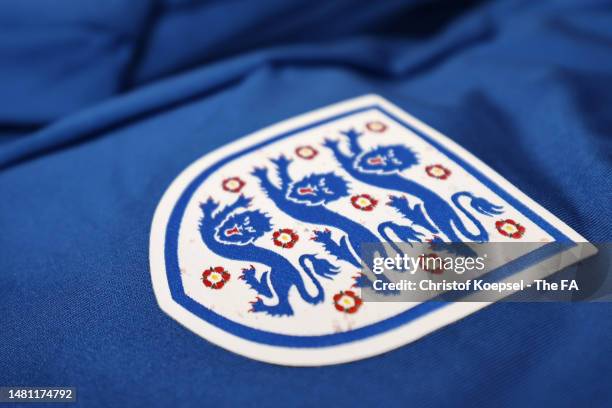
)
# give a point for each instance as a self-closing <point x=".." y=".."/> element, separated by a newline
<point x="259" y="246"/>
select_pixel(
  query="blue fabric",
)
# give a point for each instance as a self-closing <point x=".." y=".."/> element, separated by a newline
<point x="95" y="128"/>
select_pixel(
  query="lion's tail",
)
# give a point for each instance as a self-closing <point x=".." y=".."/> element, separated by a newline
<point x="481" y="205"/>
<point x="320" y="267"/>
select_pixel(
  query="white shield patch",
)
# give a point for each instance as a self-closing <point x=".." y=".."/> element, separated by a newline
<point x="255" y="247"/>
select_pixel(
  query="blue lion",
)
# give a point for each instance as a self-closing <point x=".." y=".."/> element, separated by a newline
<point x="305" y="200"/>
<point x="232" y="234"/>
<point x="382" y="167"/>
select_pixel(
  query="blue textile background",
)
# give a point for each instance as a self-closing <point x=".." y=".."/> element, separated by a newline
<point x="103" y="106"/>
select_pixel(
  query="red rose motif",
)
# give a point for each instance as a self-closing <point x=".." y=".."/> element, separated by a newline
<point x="347" y="301"/>
<point x="215" y="278"/>
<point x="438" y="171"/>
<point x="376" y="126"/>
<point x="233" y="184"/>
<point x="364" y="202"/>
<point x="306" y="152"/>
<point x="430" y="263"/>
<point x="285" y="238"/>
<point x="510" y="228"/>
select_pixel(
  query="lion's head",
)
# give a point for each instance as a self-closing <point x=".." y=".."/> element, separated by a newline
<point x="243" y="228"/>
<point x="318" y="189"/>
<point x="386" y="160"/>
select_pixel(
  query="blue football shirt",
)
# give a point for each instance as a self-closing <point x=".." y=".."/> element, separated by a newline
<point x="105" y="104"/>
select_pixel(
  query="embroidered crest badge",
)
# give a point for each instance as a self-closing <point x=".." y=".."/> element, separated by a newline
<point x="256" y="246"/>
